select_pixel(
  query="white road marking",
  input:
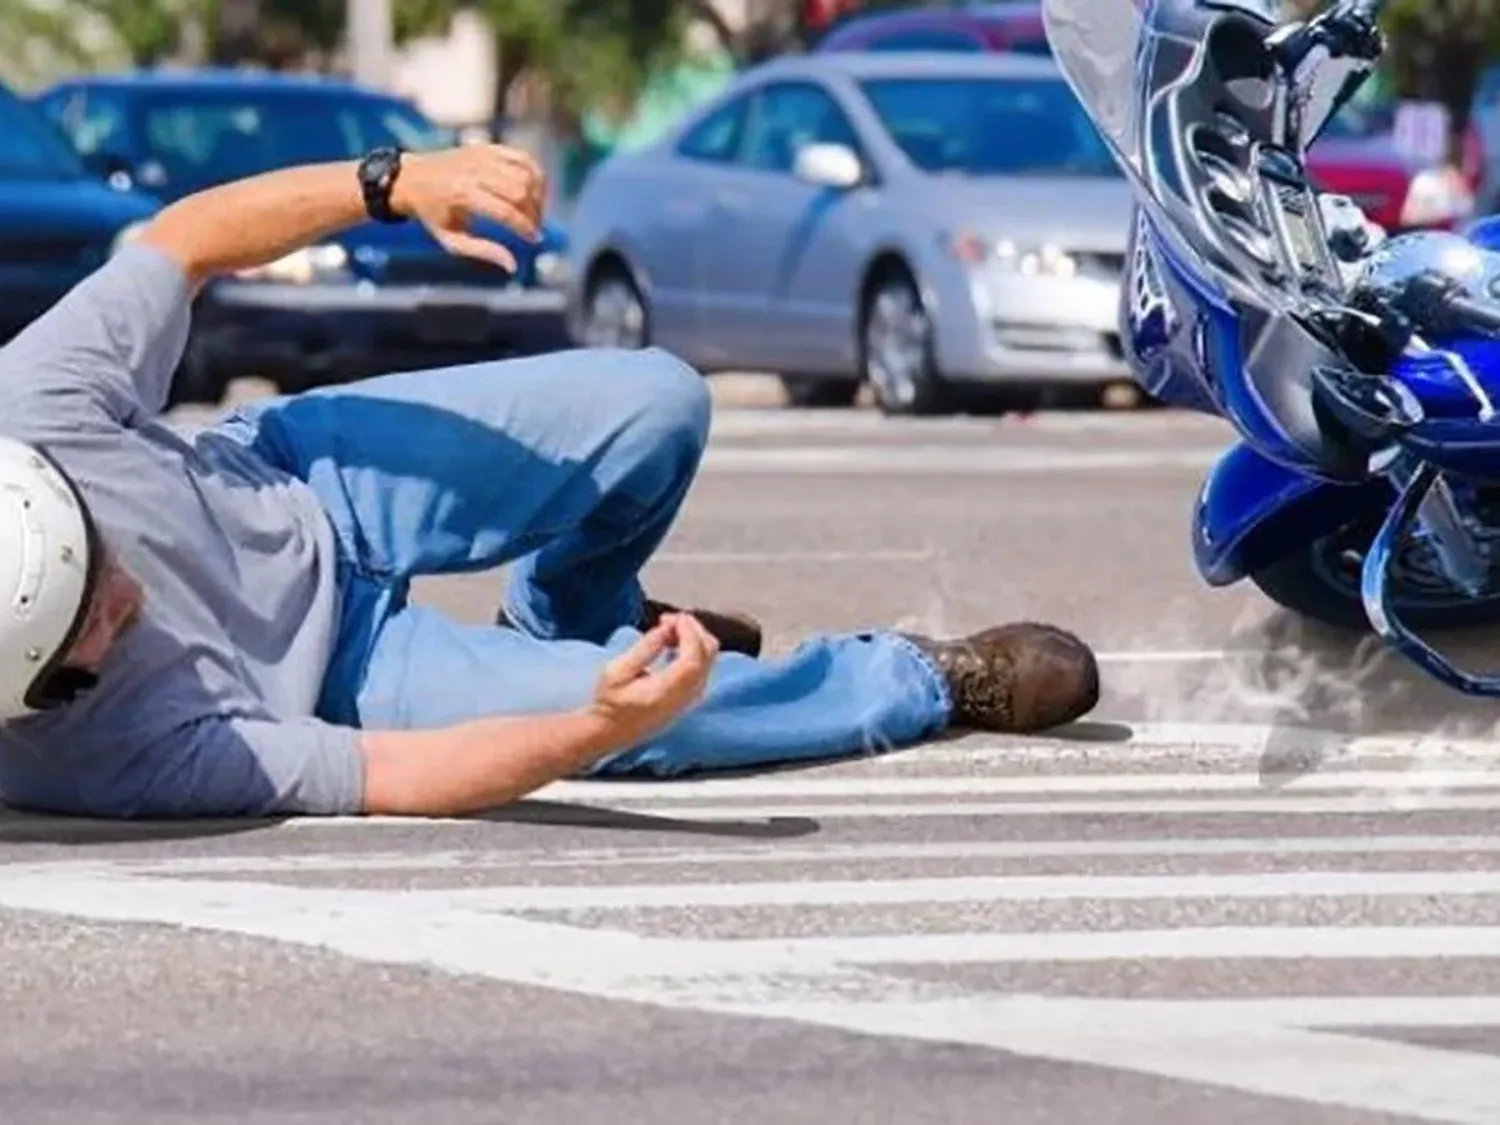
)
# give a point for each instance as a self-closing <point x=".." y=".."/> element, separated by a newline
<point x="788" y="786"/>
<point x="1179" y="656"/>
<point x="986" y="460"/>
<point x="1253" y="1046"/>
<point x="780" y="856"/>
<point x="1270" y="806"/>
<point x="1255" y="943"/>
<point x="722" y="558"/>
<point x="980" y="888"/>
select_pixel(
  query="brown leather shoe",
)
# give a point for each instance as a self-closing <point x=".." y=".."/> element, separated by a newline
<point x="735" y="632"/>
<point x="1017" y="679"/>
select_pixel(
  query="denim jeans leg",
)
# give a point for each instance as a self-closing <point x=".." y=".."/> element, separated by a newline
<point x="572" y="465"/>
<point x="833" y="697"/>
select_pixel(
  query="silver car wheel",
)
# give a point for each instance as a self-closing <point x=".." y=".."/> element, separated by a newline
<point x="616" y="316"/>
<point x="896" y="344"/>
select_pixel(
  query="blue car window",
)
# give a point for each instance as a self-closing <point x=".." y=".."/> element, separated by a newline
<point x="991" y="126"/>
<point x="31" y="147"/>
<point x="716" y="138"/>
<point x="101" y="125"/>
<point x="202" y="139"/>
<point x="789" y="116"/>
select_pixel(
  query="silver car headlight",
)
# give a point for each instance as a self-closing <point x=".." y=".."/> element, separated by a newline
<point x="327" y="262"/>
<point x="1007" y="254"/>
<point x="552" y="271"/>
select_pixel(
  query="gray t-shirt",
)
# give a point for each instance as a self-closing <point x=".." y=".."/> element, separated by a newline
<point x="206" y="707"/>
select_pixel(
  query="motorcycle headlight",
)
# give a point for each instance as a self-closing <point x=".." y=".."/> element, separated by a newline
<point x="1032" y="261"/>
<point x="303" y="267"/>
<point x="127" y="234"/>
<point x="1437" y="197"/>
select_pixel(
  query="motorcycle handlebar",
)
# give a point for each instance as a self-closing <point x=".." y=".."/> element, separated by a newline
<point x="1483" y="316"/>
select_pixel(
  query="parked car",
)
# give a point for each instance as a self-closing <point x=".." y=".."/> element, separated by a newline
<point x="965" y="28"/>
<point x="376" y="298"/>
<point x="914" y="221"/>
<point x="1357" y="156"/>
<point x="58" y="223"/>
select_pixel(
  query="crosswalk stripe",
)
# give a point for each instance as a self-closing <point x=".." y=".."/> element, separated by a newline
<point x="836" y="854"/>
<point x="1001" y="888"/>
<point x="902" y="786"/>
<point x="986" y="460"/>
<point x="1267" y="806"/>
<point x="1279" y="943"/>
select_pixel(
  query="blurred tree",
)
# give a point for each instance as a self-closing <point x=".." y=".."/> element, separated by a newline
<point x="141" y="32"/>
<point x="588" y="53"/>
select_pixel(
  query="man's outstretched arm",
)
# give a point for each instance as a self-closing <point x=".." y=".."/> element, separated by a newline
<point x="256" y="221"/>
<point x="107" y="351"/>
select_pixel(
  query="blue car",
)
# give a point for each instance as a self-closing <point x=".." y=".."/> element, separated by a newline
<point x="58" y="223"/>
<point x="378" y="298"/>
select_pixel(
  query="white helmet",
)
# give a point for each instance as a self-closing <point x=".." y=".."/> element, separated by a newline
<point x="49" y="558"/>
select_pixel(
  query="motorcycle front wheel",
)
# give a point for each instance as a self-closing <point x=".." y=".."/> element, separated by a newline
<point x="1321" y="581"/>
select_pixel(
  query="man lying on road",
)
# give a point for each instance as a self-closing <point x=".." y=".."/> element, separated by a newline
<point x="220" y="626"/>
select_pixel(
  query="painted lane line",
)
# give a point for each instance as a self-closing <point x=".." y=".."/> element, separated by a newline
<point x="1254" y="1046"/>
<point x="947" y="460"/>
<point x="899" y="786"/>
<point x="593" y="858"/>
<point x="19" y="827"/>
<point x="724" y="558"/>
<point x="1268" y="806"/>
<point x="1341" y="943"/>
<point x="1178" y="656"/>
<point x="972" y="889"/>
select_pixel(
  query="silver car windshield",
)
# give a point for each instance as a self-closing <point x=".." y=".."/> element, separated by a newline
<point x="991" y="126"/>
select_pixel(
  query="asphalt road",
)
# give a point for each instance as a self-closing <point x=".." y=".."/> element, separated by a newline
<point x="1262" y="884"/>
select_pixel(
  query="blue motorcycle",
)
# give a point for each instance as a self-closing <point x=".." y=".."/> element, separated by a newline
<point x="1360" y="371"/>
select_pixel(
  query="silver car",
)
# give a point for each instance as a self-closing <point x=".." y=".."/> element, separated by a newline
<point x="912" y="221"/>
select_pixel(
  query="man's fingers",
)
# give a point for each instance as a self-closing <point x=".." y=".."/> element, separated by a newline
<point x="635" y="661"/>
<point x="470" y="246"/>
<point x="510" y="160"/>
<point x="696" y="649"/>
<point x="492" y="202"/>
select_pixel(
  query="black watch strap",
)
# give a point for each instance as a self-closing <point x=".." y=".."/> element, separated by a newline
<point x="377" y="177"/>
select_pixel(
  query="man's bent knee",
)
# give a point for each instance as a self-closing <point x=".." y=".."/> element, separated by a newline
<point x="670" y="398"/>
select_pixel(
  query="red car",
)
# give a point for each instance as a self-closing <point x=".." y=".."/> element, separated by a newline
<point x="1356" y="156"/>
<point x="1014" y="26"/>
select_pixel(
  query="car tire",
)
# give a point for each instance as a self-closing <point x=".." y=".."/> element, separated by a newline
<point x="813" y="393"/>
<point x="615" y="314"/>
<point x="896" y="349"/>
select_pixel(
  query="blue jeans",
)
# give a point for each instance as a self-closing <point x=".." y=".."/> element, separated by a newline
<point x="573" y="467"/>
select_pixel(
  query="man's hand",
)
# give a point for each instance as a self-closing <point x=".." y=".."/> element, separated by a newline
<point x="634" y="700"/>
<point x="279" y="212"/>
<point x="491" y="762"/>
<point x="444" y="190"/>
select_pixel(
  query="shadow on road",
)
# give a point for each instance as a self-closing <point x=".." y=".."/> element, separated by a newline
<point x="17" y="827"/>
<point x="559" y="814"/>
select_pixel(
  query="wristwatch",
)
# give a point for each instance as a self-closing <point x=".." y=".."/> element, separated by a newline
<point x="377" y="176"/>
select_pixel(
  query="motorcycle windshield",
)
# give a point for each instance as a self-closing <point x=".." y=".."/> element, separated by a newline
<point x="1104" y="49"/>
<point x="1096" y="44"/>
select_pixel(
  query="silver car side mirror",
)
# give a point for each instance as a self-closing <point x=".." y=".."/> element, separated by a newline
<point x="826" y="165"/>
